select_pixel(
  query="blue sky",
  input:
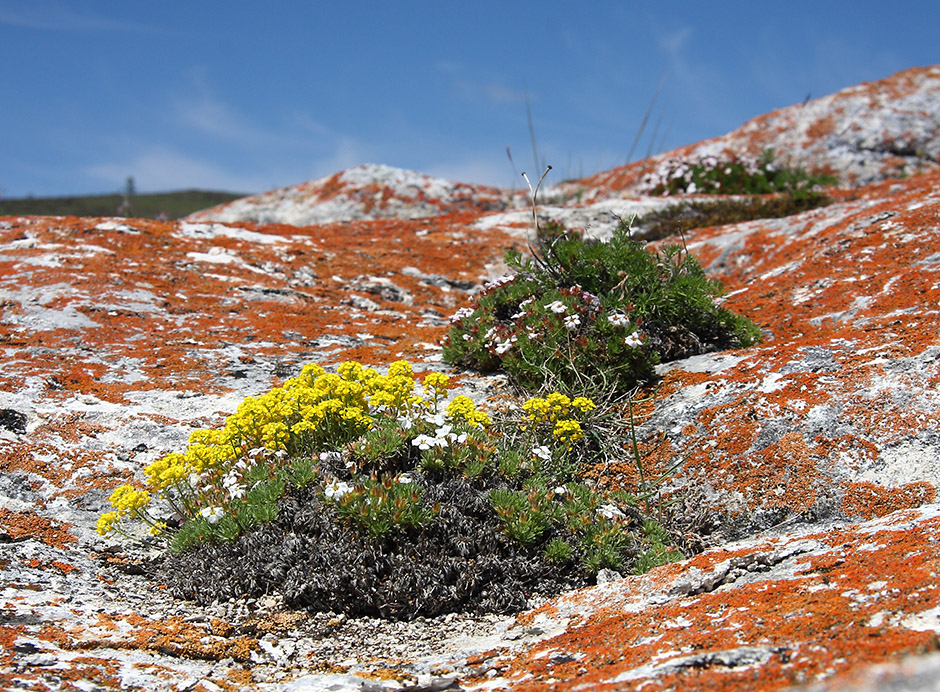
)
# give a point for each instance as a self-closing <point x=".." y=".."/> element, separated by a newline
<point x="249" y="96"/>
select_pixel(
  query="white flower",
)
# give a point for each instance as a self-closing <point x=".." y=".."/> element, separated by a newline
<point x="572" y="322"/>
<point x="336" y="489"/>
<point x="461" y="314"/>
<point x="330" y="456"/>
<point x="503" y="346"/>
<point x="232" y="484"/>
<point x="542" y="452"/>
<point x="557" y="307"/>
<point x="405" y="478"/>
<point x="425" y="442"/>
<point x="522" y="310"/>
<point x="212" y="514"/>
<point x="467" y="337"/>
<point x="609" y="511"/>
<point x="560" y="490"/>
<point x="443" y="431"/>
<point x="691" y="189"/>
<point x="618" y="319"/>
<point x="436" y="419"/>
<point x="633" y="340"/>
<point x="498" y="281"/>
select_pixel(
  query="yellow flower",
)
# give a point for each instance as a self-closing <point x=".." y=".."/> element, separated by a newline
<point x="126" y="499"/>
<point x="462" y="407"/>
<point x="400" y="367"/>
<point x="106" y="523"/>
<point x="158" y="528"/>
<point x="559" y="405"/>
<point x="536" y="409"/>
<point x="167" y="471"/>
<point x="350" y="370"/>
<point x="436" y="383"/>
<point x="583" y="404"/>
<point x="567" y="430"/>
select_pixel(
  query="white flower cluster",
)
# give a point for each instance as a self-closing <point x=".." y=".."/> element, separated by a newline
<point x="443" y="437"/>
<point x="490" y="340"/>
<point x="499" y="281"/>
<point x="610" y="512"/>
<point x="618" y="319"/>
<point x="633" y="340"/>
<point x="542" y="452"/>
<point x="572" y="322"/>
<point x="460" y="315"/>
<point x="336" y="489"/>
<point x="679" y="173"/>
<point x="232" y="481"/>
<point x="522" y="308"/>
<point x="212" y="514"/>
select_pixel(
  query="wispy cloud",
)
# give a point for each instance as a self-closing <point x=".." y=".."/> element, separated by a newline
<point x="210" y="116"/>
<point x="495" y="170"/>
<point x="165" y="169"/>
<point x="47" y="16"/>
<point x="156" y="168"/>
<point x="487" y="90"/>
<point x="197" y="108"/>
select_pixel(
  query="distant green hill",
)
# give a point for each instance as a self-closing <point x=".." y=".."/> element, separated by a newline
<point x="169" y="205"/>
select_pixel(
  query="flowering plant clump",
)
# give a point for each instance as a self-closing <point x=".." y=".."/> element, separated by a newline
<point x="699" y="212"/>
<point x="582" y="313"/>
<point x="364" y="492"/>
<point x="739" y="175"/>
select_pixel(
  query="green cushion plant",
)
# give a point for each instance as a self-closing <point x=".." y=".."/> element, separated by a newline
<point x="582" y="314"/>
<point x="739" y="175"/>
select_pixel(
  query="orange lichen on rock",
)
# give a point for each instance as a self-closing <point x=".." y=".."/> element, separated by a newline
<point x="844" y="386"/>
<point x="867" y="500"/>
<point x="852" y="598"/>
<point x="25" y="525"/>
<point x="158" y="299"/>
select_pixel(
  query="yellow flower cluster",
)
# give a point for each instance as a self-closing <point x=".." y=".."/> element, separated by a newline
<point x="567" y="430"/>
<point x="436" y="384"/>
<point x="309" y="411"/>
<point x="311" y="407"/>
<point x="555" y="407"/>
<point x="106" y="523"/>
<point x="556" y="410"/>
<point x="126" y="499"/>
<point x="463" y="408"/>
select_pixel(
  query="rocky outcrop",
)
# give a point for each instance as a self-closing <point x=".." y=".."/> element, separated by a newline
<point x="863" y="134"/>
<point x="369" y="191"/>
<point x="808" y="467"/>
